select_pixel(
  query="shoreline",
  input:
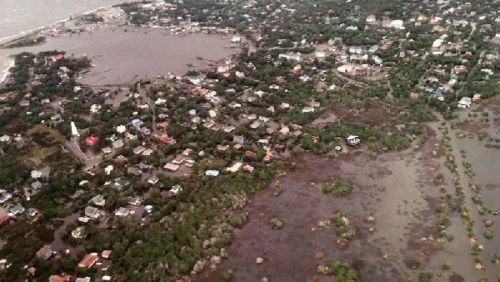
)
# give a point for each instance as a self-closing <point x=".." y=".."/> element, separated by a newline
<point x="10" y="38"/>
<point x="4" y="73"/>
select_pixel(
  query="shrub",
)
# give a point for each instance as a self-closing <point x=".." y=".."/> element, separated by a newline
<point x="489" y="233"/>
<point x="337" y="187"/>
<point x="276" y="223"/>
<point x="227" y="275"/>
<point x="238" y="219"/>
<point x="424" y="277"/>
<point x="342" y="271"/>
<point x="342" y="226"/>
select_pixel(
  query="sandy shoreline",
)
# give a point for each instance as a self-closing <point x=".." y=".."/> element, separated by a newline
<point x="5" y="73"/>
<point x="7" y="39"/>
<point x="9" y="62"/>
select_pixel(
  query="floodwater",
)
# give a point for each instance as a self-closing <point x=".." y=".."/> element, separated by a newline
<point x="58" y="243"/>
<point x="485" y="164"/>
<point x="396" y="189"/>
<point x="125" y="55"/>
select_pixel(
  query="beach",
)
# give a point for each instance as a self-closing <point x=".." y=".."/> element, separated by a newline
<point x="21" y="17"/>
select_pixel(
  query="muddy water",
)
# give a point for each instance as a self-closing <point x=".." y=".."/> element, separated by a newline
<point x="124" y="55"/>
<point x="485" y="163"/>
<point x="457" y="252"/>
<point x="394" y="188"/>
<point x="58" y="243"/>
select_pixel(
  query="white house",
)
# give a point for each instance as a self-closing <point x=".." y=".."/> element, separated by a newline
<point x="465" y="103"/>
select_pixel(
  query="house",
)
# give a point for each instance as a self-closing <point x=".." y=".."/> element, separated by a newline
<point x="122" y="211"/>
<point x="92" y="212"/>
<point x="263" y="141"/>
<point x="147" y="152"/>
<point x="319" y="54"/>
<point x="134" y="201"/>
<point x="398" y="24"/>
<point x="236" y="39"/>
<point x="239" y="139"/>
<point x="36" y="185"/>
<point x="171" y="167"/>
<point x="36" y="174"/>
<point x="121" y="159"/>
<point x="4" y="217"/>
<point x="134" y="171"/>
<point x="58" y="278"/>
<point x="88" y="260"/>
<point x="45" y="252"/>
<point x="353" y="140"/>
<point x="57" y="57"/>
<point x="308" y="110"/>
<point x="78" y="233"/>
<point x="211" y="172"/>
<point x="98" y="200"/>
<point x="4" y="264"/>
<point x="371" y="19"/>
<point x="84" y="219"/>
<point x="290" y="56"/>
<point x="118" y="144"/>
<point x="31" y="271"/>
<point x="268" y="156"/>
<point x="121" y="129"/>
<point x="414" y="95"/>
<point x="5" y="138"/>
<point x="465" y="103"/>
<point x="248" y="168"/>
<point x="235" y="167"/>
<point x="32" y="212"/>
<point x="166" y="139"/>
<point x="17" y="209"/>
<point x="476" y="97"/>
<point x="105" y="254"/>
<point x="4" y="197"/>
<point x="139" y="150"/>
<point x="153" y="180"/>
<point x="90" y="140"/>
<point x="255" y="124"/>
<point x="187" y="151"/>
<point x="356" y="50"/>
<point x="176" y="189"/>
<point x="142" y="167"/>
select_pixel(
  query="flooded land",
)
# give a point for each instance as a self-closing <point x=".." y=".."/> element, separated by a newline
<point x="124" y="55"/>
<point x="392" y="208"/>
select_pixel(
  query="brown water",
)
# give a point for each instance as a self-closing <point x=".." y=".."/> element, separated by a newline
<point x="125" y="55"/>
<point x="395" y="188"/>
<point x="486" y="165"/>
<point x="58" y="243"/>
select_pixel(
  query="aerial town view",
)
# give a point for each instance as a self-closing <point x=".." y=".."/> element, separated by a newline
<point x="250" y="140"/>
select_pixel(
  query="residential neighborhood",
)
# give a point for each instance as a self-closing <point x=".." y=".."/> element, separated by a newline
<point x="148" y="181"/>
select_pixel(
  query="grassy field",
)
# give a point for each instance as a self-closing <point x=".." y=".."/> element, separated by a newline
<point x="46" y="143"/>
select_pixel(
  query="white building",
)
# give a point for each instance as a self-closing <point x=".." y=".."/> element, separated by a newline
<point x="465" y="103"/>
